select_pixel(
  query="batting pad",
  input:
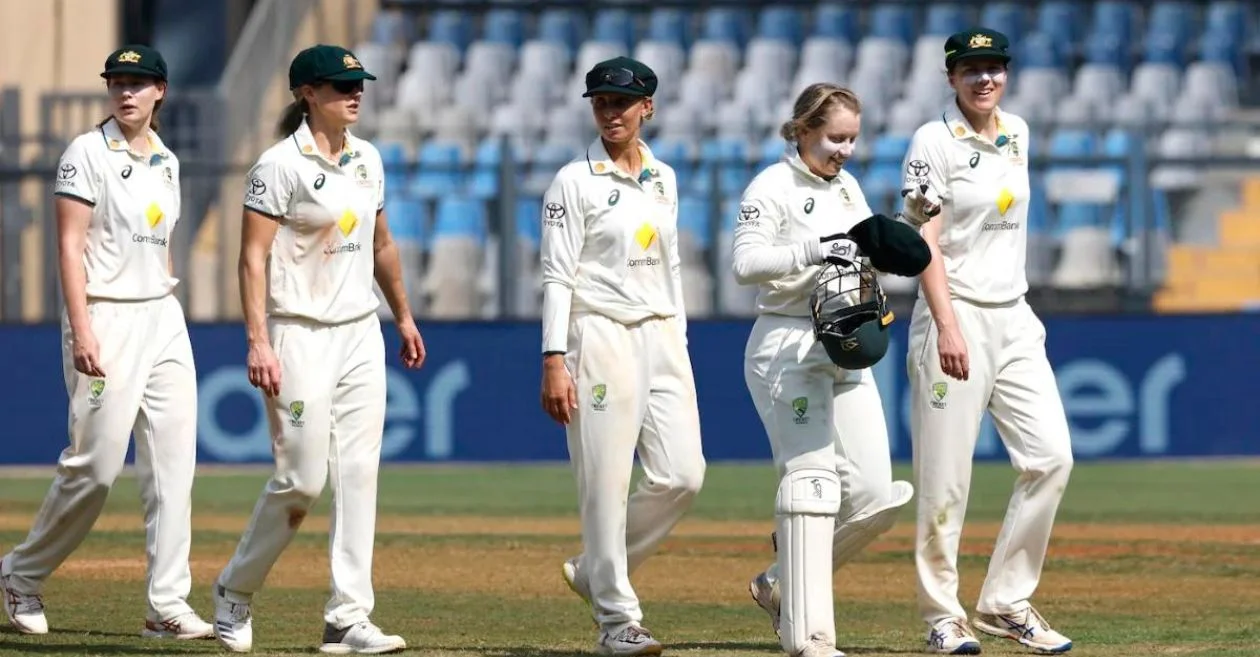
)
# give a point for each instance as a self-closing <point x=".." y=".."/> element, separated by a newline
<point x="805" y="518"/>
<point x="852" y="537"/>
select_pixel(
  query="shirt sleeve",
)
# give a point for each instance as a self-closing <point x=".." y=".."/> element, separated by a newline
<point x="380" y="184"/>
<point x="755" y="258"/>
<point x="925" y="164"/>
<point x="76" y="175"/>
<point x="676" y="272"/>
<point x="268" y="188"/>
<point x="560" y="244"/>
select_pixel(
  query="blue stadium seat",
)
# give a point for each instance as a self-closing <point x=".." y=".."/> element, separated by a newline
<point x="450" y="26"/>
<point x="504" y="25"/>
<point x="836" y="21"/>
<point x="881" y="183"/>
<point x="408" y="219"/>
<point x="1105" y="48"/>
<point x="562" y="26"/>
<point x="484" y="181"/>
<point x="1073" y="215"/>
<point x="726" y="24"/>
<point x="889" y="148"/>
<point x="729" y="156"/>
<point x="1062" y="21"/>
<point x="1229" y="17"/>
<point x="614" y="26"/>
<point x="892" y="22"/>
<point x="1041" y="50"/>
<point x="674" y="152"/>
<point x="390" y="28"/>
<point x="694" y="216"/>
<point x="440" y="170"/>
<point x="528" y="220"/>
<point x="1163" y="48"/>
<point x="460" y="216"/>
<point x="1215" y="46"/>
<point x="669" y="25"/>
<point x="944" y="19"/>
<point x="1114" y="18"/>
<point x="1006" y="17"/>
<point x="781" y="23"/>
<point x="1039" y="211"/>
<point x="1072" y="142"/>
<point x="771" y="150"/>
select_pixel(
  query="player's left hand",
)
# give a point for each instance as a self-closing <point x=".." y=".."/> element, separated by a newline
<point x="412" y="351"/>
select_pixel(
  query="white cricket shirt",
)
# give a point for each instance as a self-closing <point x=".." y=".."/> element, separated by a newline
<point x="782" y="214"/>
<point x="321" y="264"/>
<point x="984" y="212"/>
<point x="135" y="205"/>
<point x="611" y="241"/>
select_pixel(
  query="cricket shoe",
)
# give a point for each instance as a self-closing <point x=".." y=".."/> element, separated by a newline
<point x="952" y="637"/>
<point x="1026" y="627"/>
<point x="632" y="639"/>
<point x="766" y="595"/>
<point x="183" y="627"/>
<point x="233" y="621"/>
<point x="575" y="580"/>
<point x="25" y="612"/>
<point x="362" y="638"/>
<point x="818" y="647"/>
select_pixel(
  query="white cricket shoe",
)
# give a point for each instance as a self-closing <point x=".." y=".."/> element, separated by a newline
<point x="362" y="638"/>
<point x="233" y="621"/>
<point x="630" y="640"/>
<point x="1027" y="627"/>
<point x="575" y="579"/>
<point x="766" y="595"/>
<point x="183" y="627"/>
<point x="820" y="648"/>
<point x="951" y="636"/>
<point x="25" y="612"/>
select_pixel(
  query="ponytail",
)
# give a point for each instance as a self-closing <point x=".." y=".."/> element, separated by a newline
<point x="292" y="117"/>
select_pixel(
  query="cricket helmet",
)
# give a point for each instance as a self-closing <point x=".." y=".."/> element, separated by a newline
<point x="850" y="314"/>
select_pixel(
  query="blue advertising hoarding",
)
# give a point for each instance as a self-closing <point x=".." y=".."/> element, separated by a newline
<point x="1133" y="386"/>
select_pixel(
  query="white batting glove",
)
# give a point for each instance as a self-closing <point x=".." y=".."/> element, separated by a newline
<point x="921" y="204"/>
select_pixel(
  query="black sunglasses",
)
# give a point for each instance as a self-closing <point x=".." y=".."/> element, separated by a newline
<point x="618" y="77"/>
<point x="346" y="86"/>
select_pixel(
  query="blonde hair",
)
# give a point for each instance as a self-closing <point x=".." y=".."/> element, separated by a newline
<point x="813" y="107"/>
<point x="292" y="116"/>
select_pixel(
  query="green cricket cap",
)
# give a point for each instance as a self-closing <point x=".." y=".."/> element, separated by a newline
<point x="135" y="59"/>
<point x="324" y="62"/>
<point x="620" y="75"/>
<point x="977" y="42"/>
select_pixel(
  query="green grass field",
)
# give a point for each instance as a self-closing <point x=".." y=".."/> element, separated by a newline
<point x="1148" y="559"/>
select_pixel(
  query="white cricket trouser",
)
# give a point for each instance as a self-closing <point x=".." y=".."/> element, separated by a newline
<point x="326" y="424"/>
<point x="149" y="388"/>
<point x="840" y="425"/>
<point x="635" y="392"/>
<point x="1011" y="378"/>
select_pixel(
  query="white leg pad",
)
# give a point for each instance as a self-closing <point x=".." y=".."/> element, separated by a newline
<point x="805" y="518"/>
<point x="852" y="537"/>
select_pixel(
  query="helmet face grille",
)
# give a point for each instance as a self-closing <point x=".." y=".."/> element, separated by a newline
<point x="845" y="304"/>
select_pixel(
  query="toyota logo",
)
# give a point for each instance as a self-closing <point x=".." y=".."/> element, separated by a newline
<point x="918" y="168"/>
<point x="555" y="211"/>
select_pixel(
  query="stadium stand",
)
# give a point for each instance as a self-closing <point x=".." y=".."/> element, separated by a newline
<point x="1094" y="79"/>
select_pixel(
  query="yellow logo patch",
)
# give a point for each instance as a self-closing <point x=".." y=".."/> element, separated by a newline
<point x="645" y="235"/>
<point x="153" y="215"/>
<point x="348" y="222"/>
<point x="1004" y="201"/>
<point x="129" y="57"/>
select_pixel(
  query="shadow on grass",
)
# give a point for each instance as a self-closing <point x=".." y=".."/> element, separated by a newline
<point x="68" y="641"/>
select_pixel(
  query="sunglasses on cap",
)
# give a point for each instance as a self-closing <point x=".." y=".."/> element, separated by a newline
<point x="346" y="86"/>
<point x="618" y="77"/>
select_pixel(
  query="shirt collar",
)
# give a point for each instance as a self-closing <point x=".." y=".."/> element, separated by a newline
<point x="601" y="163"/>
<point x="116" y="141"/>
<point x="305" y="141"/>
<point x="960" y="128"/>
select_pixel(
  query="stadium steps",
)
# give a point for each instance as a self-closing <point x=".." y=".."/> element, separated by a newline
<point x="1221" y="278"/>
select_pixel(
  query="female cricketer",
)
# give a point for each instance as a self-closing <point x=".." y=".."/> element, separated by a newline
<point x="616" y="371"/>
<point x="313" y="237"/>
<point x="127" y="359"/>
<point x="975" y="345"/>
<point x="818" y="416"/>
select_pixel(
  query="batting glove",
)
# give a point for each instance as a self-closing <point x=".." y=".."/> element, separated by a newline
<point x="838" y="249"/>
<point x="921" y="204"/>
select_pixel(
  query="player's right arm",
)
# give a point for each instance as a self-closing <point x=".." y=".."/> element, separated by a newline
<point x="76" y="191"/>
<point x="926" y="166"/>
<point x="563" y="234"/>
<point x="756" y="257"/>
<point x="268" y="189"/>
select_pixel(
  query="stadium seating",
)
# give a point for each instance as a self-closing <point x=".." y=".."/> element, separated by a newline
<point x="462" y="95"/>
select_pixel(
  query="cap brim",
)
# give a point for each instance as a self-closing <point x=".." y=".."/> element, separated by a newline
<point x="613" y="89"/>
<point x="350" y="75"/>
<point x="130" y="69"/>
<point x="982" y="53"/>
